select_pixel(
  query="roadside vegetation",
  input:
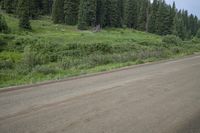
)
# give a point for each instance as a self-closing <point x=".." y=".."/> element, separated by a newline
<point x="54" y="51"/>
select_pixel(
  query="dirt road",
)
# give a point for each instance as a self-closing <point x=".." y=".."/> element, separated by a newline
<point x="155" y="98"/>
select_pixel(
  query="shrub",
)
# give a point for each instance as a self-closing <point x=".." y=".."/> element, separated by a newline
<point x="99" y="59"/>
<point x="22" y="69"/>
<point x="30" y="58"/>
<point x="198" y="34"/>
<point x="67" y="63"/>
<point x="171" y="39"/>
<point x="97" y="47"/>
<point x="195" y="40"/>
<point x="44" y="70"/>
<point x="3" y="25"/>
<point x="6" y="64"/>
<point x="2" y="43"/>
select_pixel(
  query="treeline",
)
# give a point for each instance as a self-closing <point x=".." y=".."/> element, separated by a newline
<point x="155" y="17"/>
<point x="36" y="7"/>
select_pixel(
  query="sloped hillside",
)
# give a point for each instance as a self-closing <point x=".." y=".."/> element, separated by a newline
<point x="52" y="51"/>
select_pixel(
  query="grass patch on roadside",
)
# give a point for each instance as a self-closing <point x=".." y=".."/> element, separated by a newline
<point x="52" y="52"/>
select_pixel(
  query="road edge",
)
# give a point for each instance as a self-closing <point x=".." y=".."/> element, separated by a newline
<point x="21" y="87"/>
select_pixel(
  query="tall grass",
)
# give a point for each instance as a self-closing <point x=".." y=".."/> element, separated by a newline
<point x="57" y="51"/>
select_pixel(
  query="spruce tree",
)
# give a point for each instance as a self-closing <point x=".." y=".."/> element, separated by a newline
<point x="172" y="16"/>
<point x="100" y="13"/>
<point x="8" y="5"/>
<point x="71" y="11"/>
<point x="131" y="14"/>
<point x="107" y="17"/>
<point x="179" y="27"/>
<point x="115" y="20"/>
<point x="153" y="17"/>
<point x="82" y="22"/>
<point x="58" y="11"/>
<point x="33" y="9"/>
<point x="163" y="26"/>
<point x="23" y="12"/>
<point x="143" y="15"/>
<point x="45" y="7"/>
<point x="121" y="5"/>
<point x="87" y="14"/>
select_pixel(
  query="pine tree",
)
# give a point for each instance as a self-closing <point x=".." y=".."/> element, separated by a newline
<point x="143" y="15"/>
<point x="3" y="25"/>
<point x="131" y="14"/>
<point x="23" y="12"/>
<point x="179" y="27"/>
<point x="107" y="16"/>
<point x="100" y="13"/>
<point x="163" y="22"/>
<point x="71" y="11"/>
<point x="153" y="17"/>
<point x="87" y="14"/>
<point x="46" y="7"/>
<point x="121" y="5"/>
<point x="82" y="23"/>
<point x="115" y="20"/>
<point x="8" y="5"/>
<point x="33" y="9"/>
<point x="172" y="16"/>
<point x="58" y="11"/>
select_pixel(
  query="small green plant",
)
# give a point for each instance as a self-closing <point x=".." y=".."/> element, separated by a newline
<point x="3" y="25"/>
<point x="171" y="40"/>
<point x="198" y="34"/>
<point x="6" y="64"/>
<point x="44" y="70"/>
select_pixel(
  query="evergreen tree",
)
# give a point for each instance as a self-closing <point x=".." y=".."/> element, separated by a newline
<point x="58" y="11"/>
<point x="107" y="17"/>
<point x="33" y="9"/>
<point x="131" y="14"/>
<point x="163" y="22"/>
<point x="3" y="25"/>
<point x="100" y="13"/>
<point x="71" y="11"/>
<point x="179" y="27"/>
<point x="153" y="17"/>
<point x="121" y="5"/>
<point x="8" y="5"/>
<point x="115" y="20"/>
<point x="143" y="15"/>
<point x="23" y="12"/>
<point x="46" y="7"/>
<point x="172" y="16"/>
<point x="87" y="14"/>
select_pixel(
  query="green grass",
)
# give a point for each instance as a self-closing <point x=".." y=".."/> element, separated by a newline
<point x="51" y="52"/>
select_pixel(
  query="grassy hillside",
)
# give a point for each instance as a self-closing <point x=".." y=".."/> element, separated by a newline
<point x="57" y="51"/>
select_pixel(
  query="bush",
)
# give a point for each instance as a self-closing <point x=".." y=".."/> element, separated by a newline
<point x="67" y="63"/>
<point x="6" y="64"/>
<point x="2" y="43"/>
<point x="22" y="69"/>
<point x="30" y="58"/>
<point x="195" y="40"/>
<point x="198" y="34"/>
<point x="18" y="43"/>
<point x="99" y="59"/>
<point x="44" y="70"/>
<point x="3" y="25"/>
<point x="171" y="39"/>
